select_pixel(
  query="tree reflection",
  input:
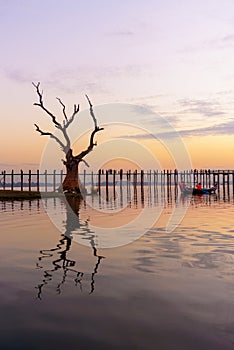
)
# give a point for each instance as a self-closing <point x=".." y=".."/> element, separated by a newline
<point x="59" y="254"/>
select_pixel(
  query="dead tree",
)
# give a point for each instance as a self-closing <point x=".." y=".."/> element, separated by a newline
<point x="71" y="181"/>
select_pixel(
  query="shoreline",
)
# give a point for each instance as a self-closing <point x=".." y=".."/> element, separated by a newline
<point x="20" y="195"/>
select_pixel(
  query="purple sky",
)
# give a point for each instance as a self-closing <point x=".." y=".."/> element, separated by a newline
<point x="174" y="57"/>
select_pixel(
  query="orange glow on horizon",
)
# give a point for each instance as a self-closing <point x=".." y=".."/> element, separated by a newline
<point x="214" y="152"/>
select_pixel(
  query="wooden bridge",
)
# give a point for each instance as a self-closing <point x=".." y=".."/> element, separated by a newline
<point x="50" y="181"/>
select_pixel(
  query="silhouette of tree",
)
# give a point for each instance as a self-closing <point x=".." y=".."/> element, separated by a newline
<point x="59" y="254"/>
<point x="70" y="183"/>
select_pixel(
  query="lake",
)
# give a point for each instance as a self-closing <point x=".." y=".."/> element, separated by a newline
<point x="61" y="288"/>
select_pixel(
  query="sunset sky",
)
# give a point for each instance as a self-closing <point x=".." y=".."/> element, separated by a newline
<point x="171" y="58"/>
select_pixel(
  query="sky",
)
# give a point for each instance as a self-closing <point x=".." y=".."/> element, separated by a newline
<point x="171" y="59"/>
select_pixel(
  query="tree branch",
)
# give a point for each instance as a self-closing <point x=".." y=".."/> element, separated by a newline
<point x="57" y="124"/>
<point x="96" y="129"/>
<point x="41" y="104"/>
<point x="91" y="144"/>
<point x="92" y="112"/>
<point x="52" y="136"/>
<point x="87" y="164"/>
<point x="64" y="108"/>
<point x="66" y="122"/>
<point x="70" y="120"/>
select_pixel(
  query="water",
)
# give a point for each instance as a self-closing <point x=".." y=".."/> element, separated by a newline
<point x="166" y="290"/>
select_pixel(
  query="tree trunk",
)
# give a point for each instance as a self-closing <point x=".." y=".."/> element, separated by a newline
<point x="71" y="182"/>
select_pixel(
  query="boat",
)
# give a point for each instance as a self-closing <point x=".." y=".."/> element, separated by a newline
<point x="197" y="192"/>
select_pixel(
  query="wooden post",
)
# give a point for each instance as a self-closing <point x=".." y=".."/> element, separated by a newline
<point x="150" y="178"/>
<point x="228" y="189"/>
<point x="201" y="178"/>
<point x="142" y="187"/>
<point x="38" y="180"/>
<point x="154" y="178"/>
<point x="134" y="180"/>
<point x="176" y="177"/>
<point x="12" y="179"/>
<point x="194" y="177"/>
<point x="114" y="180"/>
<point x="135" y="188"/>
<point x="176" y="182"/>
<point x="218" y="181"/>
<point x="121" y="188"/>
<point x="22" y="180"/>
<point x="223" y="184"/>
<point x="197" y="177"/>
<point x="54" y="180"/>
<point x="99" y="181"/>
<point x="45" y="180"/>
<point x="121" y="175"/>
<point x="107" y="186"/>
<point x="29" y="180"/>
<point x="213" y="175"/>
<point x="233" y="182"/>
<point x="128" y="188"/>
<point x="142" y="178"/>
<point x="4" y="179"/>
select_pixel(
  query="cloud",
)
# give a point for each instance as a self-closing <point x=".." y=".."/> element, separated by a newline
<point x="123" y="33"/>
<point x="143" y="109"/>
<point x="18" y="75"/>
<point x="223" y="42"/>
<point x="66" y="80"/>
<point x="205" y="108"/>
<point x="213" y="130"/>
<point x="147" y="97"/>
<point x="218" y="129"/>
<point x="147" y="115"/>
<point x="144" y="136"/>
<point x="162" y="135"/>
<point x="94" y="79"/>
<point x="228" y="38"/>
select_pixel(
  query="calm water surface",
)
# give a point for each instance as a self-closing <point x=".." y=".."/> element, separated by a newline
<point x="163" y="291"/>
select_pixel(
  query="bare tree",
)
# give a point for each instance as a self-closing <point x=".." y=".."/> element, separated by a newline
<point x="71" y="181"/>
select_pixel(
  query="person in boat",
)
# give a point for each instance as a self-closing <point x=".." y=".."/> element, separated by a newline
<point x="199" y="186"/>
